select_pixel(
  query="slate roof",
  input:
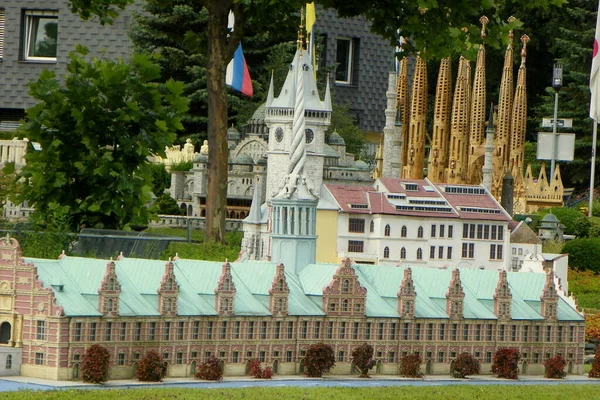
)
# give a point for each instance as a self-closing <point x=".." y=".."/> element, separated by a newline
<point x="522" y="233"/>
<point x="140" y="278"/>
<point x="424" y="199"/>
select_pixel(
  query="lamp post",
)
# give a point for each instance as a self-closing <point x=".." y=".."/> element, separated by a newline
<point x="557" y="75"/>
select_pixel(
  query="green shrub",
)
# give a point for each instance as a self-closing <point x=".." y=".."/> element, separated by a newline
<point x="183" y="166"/>
<point x="202" y="251"/>
<point x="166" y="205"/>
<point x="506" y="363"/>
<point x="584" y="254"/>
<point x="595" y="371"/>
<point x="161" y="179"/>
<point x="94" y="368"/>
<point x="465" y="365"/>
<point x="151" y="368"/>
<point x="568" y="217"/>
<point x="583" y="227"/>
<point x="410" y="366"/>
<point x="319" y="359"/>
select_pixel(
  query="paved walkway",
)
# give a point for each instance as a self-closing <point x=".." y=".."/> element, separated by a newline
<point x="14" y="383"/>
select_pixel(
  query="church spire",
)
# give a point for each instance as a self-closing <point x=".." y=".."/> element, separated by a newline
<point x="519" y="114"/>
<point x="505" y="101"/>
<point x="478" y="103"/>
<point x="416" y="128"/>
<point x="403" y="108"/>
<point x="459" y="125"/>
<point x="271" y="92"/>
<point x="438" y="156"/>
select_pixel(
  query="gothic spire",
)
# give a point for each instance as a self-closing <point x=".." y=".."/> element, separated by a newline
<point x="519" y="114"/>
<point x="459" y="125"/>
<point x="403" y="108"/>
<point x="418" y="114"/>
<point x="438" y="155"/>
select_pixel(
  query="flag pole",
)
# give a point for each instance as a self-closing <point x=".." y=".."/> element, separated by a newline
<point x="593" y="169"/>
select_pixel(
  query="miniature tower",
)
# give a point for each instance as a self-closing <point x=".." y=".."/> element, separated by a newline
<point x="519" y="114"/>
<point x="505" y="102"/>
<point x="391" y="133"/>
<point x="477" y="125"/>
<point x="403" y="109"/>
<point x="488" y="167"/>
<point x="416" y="128"/>
<point x="438" y="156"/>
<point x="459" y="126"/>
<point x="294" y="206"/>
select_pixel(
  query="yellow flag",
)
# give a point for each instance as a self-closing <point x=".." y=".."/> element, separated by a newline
<point x="311" y="17"/>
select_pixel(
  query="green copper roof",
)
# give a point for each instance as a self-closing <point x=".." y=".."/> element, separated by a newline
<point x="140" y="279"/>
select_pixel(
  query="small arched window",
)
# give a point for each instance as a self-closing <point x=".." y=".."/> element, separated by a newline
<point x="9" y="361"/>
<point x="403" y="253"/>
<point x="386" y="252"/>
<point x="420" y="232"/>
<point x="403" y="231"/>
<point x="332" y="306"/>
<point x="345" y="305"/>
<point x="372" y="227"/>
<point x="279" y="306"/>
<point x="419" y="254"/>
<point x="387" y="230"/>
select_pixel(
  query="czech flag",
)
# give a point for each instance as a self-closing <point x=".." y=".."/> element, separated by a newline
<point x="238" y="76"/>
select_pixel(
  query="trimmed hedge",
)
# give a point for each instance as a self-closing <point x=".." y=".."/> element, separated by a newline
<point x="465" y="365"/>
<point x="584" y="254"/>
<point x="151" y="368"/>
<point x="319" y="359"/>
<point x="506" y="363"/>
<point x="94" y="368"/>
<point x="410" y="366"/>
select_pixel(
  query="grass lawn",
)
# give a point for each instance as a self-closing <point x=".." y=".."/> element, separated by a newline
<point x="403" y="392"/>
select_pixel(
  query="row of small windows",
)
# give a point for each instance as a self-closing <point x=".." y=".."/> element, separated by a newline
<point x="464" y="190"/>
<point x="482" y="231"/>
<point x="357" y="225"/>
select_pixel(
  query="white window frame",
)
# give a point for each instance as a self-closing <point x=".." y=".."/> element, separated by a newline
<point x="29" y="17"/>
<point x="350" y="62"/>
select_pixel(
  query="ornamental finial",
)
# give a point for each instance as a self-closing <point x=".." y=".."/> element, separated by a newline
<point x="484" y="21"/>
<point x="301" y="32"/>
<point x="511" y="35"/>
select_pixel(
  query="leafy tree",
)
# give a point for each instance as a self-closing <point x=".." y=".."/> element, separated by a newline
<point x="257" y="371"/>
<point x="161" y="179"/>
<point x="506" y="363"/>
<point x="583" y="253"/>
<point x="94" y="368"/>
<point x="8" y="183"/>
<point x="362" y="357"/>
<point x="166" y="205"/>
<point x="555" y="367"/>
<point x="410" y="366"/>
<point x="592" y="326"/>
<point x="465" y="365"/>
<point x="318" y="360"/>
<point x="583" y="227"/>
<point x="96" y="133"/>
<point x="345" y="125"/>
<point x="567" y="216"/>
<point x="434" y="30"/>
<point x="151" y="368"/>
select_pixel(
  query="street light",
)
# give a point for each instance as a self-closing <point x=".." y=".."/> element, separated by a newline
<point x="557" y="75"/>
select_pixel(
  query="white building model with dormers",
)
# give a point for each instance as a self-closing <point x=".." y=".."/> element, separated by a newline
<point x="417" y="222"/>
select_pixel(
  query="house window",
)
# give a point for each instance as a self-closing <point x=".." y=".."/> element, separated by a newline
<point x="262" y="356"/>
<point x="403" y="253"/>
<point x="420" y="232"/>
<point x="496" y="252"/>
<point x="355" y="330"/>
<point x="289" y="356"/>
<point x="9" y="361"/>
<point x="107" y="331"/>
<point x="405" y="331"/>
<point x="277" y="332"/>
<point x="330" y="330"/>
<point x="341" y="356"/>
<point x="152" y="331"/>
<point x="263" y="330"/>
<point x="77" y="335"/>
<point x="235" y="356"/>
<point x="304" y="331"/>
<point x="209" y="330"/>
<point x="121" y="359"/>
<point x="180" y="330"/>
<point x="449" y="253"/>
<point x="440" y="252"/>
<point x="403" y="231"/>
<point x="196" y="331"/>
<point x="442" y="230"/>
<point x="167" y="331"/>
<point x="450" y="231"/>
<point x="391" y="357"/>
<point x="39" y="358"/>
<point x="431" y="252"/>
<point x="417" y="331"/>
<point x="433" y="229"/>
<point x="250" y="329"/>
<point x="468" y="250"/>
<point x="387" y="230"/>
<point x="138" y="331"/>
<point x="372" y="227"/>
<point x="41" y="330"/>
<point x="92" y="332"/>
<point x="41" y="35"/>
<point x="179" y="358"/>
<point x="290" y="329"/>
<point x="342" y="333"/>
<point x="386" y="252"/>
<point x="441" y="357"/>
<point x="429" y="331"/>
<point x="368" y="331"/>
<point x="123" y="334"/>
<point x="419" y="254"/>
<point x="479" y="231"/>
<point x="356" y="225"/>
<point x="355" y="246"/>
<point x="442" y="331"/>
<point x="345" y="60"/>
<point x="317" y="330"/>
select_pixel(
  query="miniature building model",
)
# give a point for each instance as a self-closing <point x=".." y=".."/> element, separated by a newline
<point x="461" y="151"/>
<point x="51" y="311"/>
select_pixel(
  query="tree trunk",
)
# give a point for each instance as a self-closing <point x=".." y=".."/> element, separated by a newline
<point x="216" y="201"/>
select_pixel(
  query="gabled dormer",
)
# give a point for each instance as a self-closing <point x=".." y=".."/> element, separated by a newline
<point x="502" y="298"/>
<point x="278" y="294"/>
<point x="549" y="298"/>
<point x="344" y="296"/>
<point x="168" y="291"/>
<point x="110" y="289"/>
<point x="225" y="292"/>
<point x="407" y="296"/>
<point x="455" y="297"/>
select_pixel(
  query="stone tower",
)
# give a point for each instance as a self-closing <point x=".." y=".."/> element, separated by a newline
<point x="413" y="169"/>
<point x="456" y="170"/>
<point x="403" y="108"/>
<point x="478" y="104"/>
<point x="438" y="155"/>
<point x="519" y="114"/>
<point x="391" y="164"/>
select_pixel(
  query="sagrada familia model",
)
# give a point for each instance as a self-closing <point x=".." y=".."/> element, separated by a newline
<point x="462" y="150"/>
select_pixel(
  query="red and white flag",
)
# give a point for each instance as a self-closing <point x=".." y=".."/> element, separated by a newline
<point x="595" y="74"/>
